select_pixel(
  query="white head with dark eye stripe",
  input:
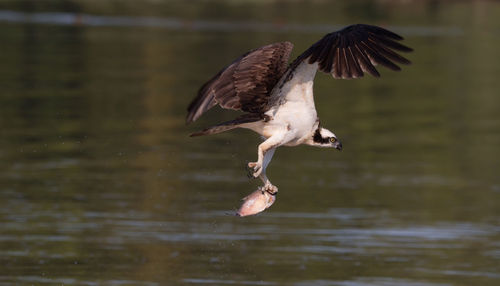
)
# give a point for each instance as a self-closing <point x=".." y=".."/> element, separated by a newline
<point x="324" y="138"/>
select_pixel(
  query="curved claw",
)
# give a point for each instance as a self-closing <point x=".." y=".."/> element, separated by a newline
<point x="254" y="169"/>
<point x="250" y="171"/>
<point x="270" y="188"/>
<point x="257" y="172"/>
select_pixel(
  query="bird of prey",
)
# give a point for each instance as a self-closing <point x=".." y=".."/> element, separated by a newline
<point x="276" y="98"/>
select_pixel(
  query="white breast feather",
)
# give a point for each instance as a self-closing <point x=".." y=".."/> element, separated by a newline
<point x="296" y="110"/>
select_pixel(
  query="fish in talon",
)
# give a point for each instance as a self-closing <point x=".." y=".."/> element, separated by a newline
<point x="256" y="202"/>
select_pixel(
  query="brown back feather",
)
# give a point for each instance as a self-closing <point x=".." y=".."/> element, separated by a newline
<point x="245" y="84"/>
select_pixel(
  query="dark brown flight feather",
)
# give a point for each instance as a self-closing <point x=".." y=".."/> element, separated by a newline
<point x="354" y="50"/>
<point x="245" y="84"/>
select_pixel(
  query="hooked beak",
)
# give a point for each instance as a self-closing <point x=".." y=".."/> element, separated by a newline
<point x="337" y="145"/>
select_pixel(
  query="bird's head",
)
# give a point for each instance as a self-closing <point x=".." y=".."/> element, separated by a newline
<point x="323" y="137"/>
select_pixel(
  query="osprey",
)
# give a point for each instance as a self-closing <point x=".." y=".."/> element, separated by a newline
<point x="277" y="97"/>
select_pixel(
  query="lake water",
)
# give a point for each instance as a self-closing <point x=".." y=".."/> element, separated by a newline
<point x="101" y="185"/>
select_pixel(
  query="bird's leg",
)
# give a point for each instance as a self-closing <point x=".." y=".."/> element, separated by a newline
<point x="261" y="151"/>
<point x="268" y="187"/>
<point x="265" y="147"/>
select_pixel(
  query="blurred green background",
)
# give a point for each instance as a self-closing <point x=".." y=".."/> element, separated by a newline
<point x="101" y="185"/>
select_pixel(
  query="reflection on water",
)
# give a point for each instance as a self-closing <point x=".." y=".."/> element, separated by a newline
<point x="79" y="19"/>
<point x="100" y="185"/>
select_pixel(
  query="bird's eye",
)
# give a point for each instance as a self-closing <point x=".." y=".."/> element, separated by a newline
<point x="333" y="139"/>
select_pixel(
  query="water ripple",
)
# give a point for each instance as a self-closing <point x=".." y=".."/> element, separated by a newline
<point x="220" y="282"/>
<point x="376" y="281"/>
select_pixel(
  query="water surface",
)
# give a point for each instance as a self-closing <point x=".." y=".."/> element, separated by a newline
<point x="100" y="184"/>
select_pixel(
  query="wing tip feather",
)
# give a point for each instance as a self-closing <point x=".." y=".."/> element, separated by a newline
<point x="365" y="47"/>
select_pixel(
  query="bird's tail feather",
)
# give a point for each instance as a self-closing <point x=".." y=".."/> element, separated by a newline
<point x="229" y="125"/>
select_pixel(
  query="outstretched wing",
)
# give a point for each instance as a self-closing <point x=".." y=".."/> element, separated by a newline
<point x="354" y="50"/>
<point x="245" y="84"/>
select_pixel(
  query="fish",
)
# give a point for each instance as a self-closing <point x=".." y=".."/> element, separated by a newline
<point x="256" y="202"/>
